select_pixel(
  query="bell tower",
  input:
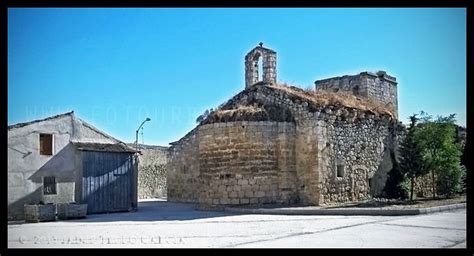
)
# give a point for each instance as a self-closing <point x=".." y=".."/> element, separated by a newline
<point x="268" y="60"/>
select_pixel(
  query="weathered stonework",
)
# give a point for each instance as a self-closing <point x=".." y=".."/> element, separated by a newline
<point x="152" y="162"/>
<point x="424" y="185"/>
<point x="245" y="162"/>
<point x="268" y="66"/>
<point x="378" y="86"/>
<point x="240" y="163"/>
<point x="183" y="170"/>
<point x="299" y="151"/>
<point x="359" y="147"/>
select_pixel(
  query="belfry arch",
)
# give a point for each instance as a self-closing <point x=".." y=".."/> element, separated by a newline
<point x="268" y="60"/>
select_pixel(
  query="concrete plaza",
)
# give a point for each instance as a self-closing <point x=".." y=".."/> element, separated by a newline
<point x="161" y="224"/>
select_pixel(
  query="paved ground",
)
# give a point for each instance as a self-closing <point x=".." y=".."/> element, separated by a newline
<point x="163" y="224"/>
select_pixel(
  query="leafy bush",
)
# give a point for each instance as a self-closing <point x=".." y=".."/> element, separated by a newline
<point x="449" y="181"/>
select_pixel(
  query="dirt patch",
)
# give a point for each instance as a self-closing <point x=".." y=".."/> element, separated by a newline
<point x="397" y="204"/>
<point x="385" y="204"/>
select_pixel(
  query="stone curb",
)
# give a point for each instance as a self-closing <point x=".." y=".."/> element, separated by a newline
<point x="343" y="211"/>
<point x="442" y="208"/>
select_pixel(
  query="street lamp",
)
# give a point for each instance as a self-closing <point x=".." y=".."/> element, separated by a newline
<point x="136" y="141"/>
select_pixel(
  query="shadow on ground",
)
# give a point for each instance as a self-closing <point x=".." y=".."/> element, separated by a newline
<point x="157" y="210"/>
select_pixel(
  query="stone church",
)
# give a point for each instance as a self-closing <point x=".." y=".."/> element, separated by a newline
<point x="276" y="143"/>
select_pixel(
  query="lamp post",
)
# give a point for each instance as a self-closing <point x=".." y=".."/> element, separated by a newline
<point x="136" y="140"/>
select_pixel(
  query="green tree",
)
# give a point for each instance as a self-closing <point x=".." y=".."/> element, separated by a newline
<point x="411" y="162"/>
<point x="441" y="153"/>
<point x="464" y="168"/>
<point x="461" y="140"/>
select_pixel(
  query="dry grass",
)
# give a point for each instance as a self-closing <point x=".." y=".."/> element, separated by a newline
<point x="318" y="99"/>
<point x="324" y="98"/>
<point x="239" y="110"/>
<point x="239" y="113"/>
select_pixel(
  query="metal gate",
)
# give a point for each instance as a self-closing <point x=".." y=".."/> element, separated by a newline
<point x="107" y="181"/>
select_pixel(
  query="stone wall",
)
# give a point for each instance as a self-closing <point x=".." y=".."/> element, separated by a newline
<point x="247" y="162"/>
<point x="380" y="87"/>
<point x="424" y="185"/>
<point x="297" y="164"/>
<point x="152" y="171"/>
<point x="357" y="149"/>
<point x="325" y="132"/>
<point x="268" y="66"/>
<point x="238" y="163"/>
<point x="183" y="170"/>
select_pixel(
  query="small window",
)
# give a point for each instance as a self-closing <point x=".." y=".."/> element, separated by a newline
<point x="49" y="185"/>
<point x="340" y="170"/>
<point x="46" y="144"/>
<point x="355" y="90"/>
<point x="260" y="69"/>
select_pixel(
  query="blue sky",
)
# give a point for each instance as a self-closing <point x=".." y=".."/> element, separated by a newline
<point x="115" y="67"/>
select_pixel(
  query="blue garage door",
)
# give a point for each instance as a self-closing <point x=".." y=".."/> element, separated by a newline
<point x="107" y="181"/>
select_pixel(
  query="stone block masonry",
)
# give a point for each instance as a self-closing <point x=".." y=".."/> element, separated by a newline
<point x="325" y="158"/>
<point x="183" y="170"/>
<point x="379" y="86"/>
<point x="280" y="144"/>
<point x="268" y="66"/>
<point x="246" y="162"/>
<point x="238" y="163"/>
